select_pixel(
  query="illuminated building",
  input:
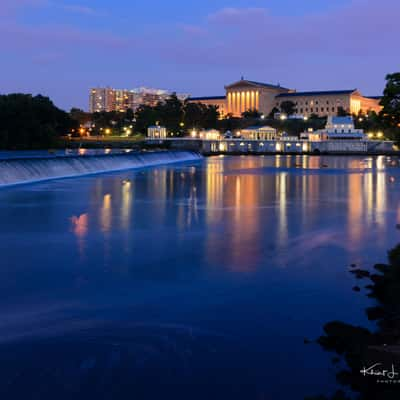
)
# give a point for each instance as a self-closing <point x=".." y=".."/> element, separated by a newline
<point x="211" y="134"/>
<point x="259" y="133"/>
<point x="328" y="103"/>
<point x="109" y="99"/>
<point x="336" y="128"/>
<point x="157" y="132"/>
<point x="247" y="95"/>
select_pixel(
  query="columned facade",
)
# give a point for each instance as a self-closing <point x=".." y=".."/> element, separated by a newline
<point x="247" y="95"/>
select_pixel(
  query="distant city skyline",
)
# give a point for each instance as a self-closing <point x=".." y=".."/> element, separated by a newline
<point x="61" y="49"/>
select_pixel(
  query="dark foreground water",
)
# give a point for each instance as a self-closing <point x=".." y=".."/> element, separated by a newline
<point x="194" y="281"/>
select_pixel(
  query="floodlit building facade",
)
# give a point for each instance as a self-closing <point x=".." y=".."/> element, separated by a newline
<point x="157" y="132"/>
<point x="259" y="133"/>
<point x="337" y="128"/>
<point x="328" y="103"/>
<point x="210" y="134"/>
<point x="247" y="95"/>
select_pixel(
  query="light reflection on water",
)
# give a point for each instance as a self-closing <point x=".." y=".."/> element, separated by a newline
<point x="236" y="196"/>
<point x="254" y="249"/>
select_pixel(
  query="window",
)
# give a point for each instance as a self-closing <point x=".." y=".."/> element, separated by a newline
<point x="327" y="102"/>
<point x="316" y="110"/>
<point x="322" y="109"/>
<point x="333" y="109"/>
<point x="301" y="110"/>
<point x="312" y="110"/>
<point x="306" y="109"/>
<point x="316" y="102"/>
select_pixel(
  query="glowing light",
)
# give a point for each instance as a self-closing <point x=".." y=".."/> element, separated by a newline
<point x="283" y="117"/>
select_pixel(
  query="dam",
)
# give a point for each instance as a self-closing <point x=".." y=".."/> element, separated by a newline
<point x="14" y="171"/>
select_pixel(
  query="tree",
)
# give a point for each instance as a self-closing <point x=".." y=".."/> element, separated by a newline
<point x="274" y="111"/>
<point x="194" y="115"/>
<point x="390" y="101"/>
<point x="145" y="117"/>
<point x="130" y="115"/>
<point x="31" y="122"/>
<point x="171" y="113"/>
<point x="288" y="107"/>
<point x="80" y="116"/>
<point x="341" y="112"/>
<point x="251" y="113"/>
<point x="211" y="116"/>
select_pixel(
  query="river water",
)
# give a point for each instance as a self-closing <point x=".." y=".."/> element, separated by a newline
<point x="195" y="280"/>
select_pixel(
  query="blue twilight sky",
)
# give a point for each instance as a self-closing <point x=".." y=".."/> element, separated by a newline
<point x="61" y="48"/>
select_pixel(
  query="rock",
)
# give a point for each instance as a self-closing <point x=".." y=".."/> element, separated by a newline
<point x="359" y="273"/>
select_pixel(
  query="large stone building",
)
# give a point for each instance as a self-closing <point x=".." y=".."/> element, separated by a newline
<point x="247" y="95"/>
<point x="329" y="102"/>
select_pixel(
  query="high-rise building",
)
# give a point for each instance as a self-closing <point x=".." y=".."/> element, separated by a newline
<point x="109" y="99"/>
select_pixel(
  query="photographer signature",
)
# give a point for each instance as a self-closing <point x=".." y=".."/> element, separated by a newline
<point x="379" y="372"/>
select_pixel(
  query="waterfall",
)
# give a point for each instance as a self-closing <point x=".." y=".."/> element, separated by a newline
<point x="27" y="170"/>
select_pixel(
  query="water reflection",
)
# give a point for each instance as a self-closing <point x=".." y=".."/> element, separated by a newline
<point x="80" y="227"/>
<point x="247" y="209"/>
<point x="126" y="206"/>
<point x="106" y="213"/>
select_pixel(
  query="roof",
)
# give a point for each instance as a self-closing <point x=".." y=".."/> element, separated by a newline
<point x="317" y="93"/>
<point x="254" y="83"/>
<point x="257" y="128"/>
<point x="373" y="97"/>
<point x="208" y="98"/>
<point x="345" y="135"/>
<point x="342" y="120"/>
